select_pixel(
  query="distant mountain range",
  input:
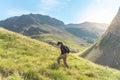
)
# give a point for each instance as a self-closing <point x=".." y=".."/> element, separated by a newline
<point x="46" y="28"/>
<point x="89" y="31"/>
<point x="106" y="51"/>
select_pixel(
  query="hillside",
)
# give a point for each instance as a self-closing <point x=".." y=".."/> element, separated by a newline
<point x="37" y="25"/>
<point x="106" y="51"/>
<point x="43" y="28"/>
<point x="89" y="31"/>
<point x="22" y="58"/>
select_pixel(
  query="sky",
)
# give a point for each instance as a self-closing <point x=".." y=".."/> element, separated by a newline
<point x="68" y="11"/>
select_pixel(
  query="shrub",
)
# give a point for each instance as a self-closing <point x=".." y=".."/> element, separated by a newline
<point x="54" y="66"/>
<point x="59" y="75"/>
<point x="42" y="70"/>
<point x="90" y="74"/>
<point x="15" y="77"/>
<point x="31" y="75"/>
<point x="6" y="71"/>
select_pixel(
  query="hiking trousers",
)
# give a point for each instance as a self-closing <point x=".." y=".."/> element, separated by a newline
<point x="64" y="57"/>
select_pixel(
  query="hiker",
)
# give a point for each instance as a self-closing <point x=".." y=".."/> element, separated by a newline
<point x="64" y="52"/>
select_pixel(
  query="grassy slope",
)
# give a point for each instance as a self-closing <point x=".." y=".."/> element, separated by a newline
<point x="59" y="34"/>
<point x="68" y="41"/>
<point x="22" y="58"/>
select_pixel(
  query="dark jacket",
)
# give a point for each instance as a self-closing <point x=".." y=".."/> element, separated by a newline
<point x="63" y="49"/>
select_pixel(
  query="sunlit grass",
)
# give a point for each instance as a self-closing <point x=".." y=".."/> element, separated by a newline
<point x="22" y="58"/>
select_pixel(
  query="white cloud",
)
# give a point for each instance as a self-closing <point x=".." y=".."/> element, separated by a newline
<point x="102" y="11"/>
<point x="43" y="7"/>
<point x="47" y="5"/>
<point x="16" y="12"/>
<point x="69" y="0"/>
<point x="97" y="0"/>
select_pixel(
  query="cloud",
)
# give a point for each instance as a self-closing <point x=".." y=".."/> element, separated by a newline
<point x="69" y="0"/>
<point x="102" y="11"/>
<point x="16" y="12"/>
<point x="51" y="5"/>
<point x="43" y="7"/>
<point x="46" y="6"/>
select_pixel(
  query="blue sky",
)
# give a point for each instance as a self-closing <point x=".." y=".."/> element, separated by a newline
<point x="69" y="11"/>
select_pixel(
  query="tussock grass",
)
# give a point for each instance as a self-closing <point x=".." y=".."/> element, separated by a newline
<point x="22" y="58"/>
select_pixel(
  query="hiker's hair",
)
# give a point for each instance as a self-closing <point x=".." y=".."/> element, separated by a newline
<point x="59" y="43"/>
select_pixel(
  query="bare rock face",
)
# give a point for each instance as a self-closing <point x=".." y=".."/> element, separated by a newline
<point x="106" y="51"/>
<point x="115" y="25"/>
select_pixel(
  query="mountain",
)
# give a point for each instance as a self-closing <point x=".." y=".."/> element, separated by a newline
<point x="106" y="51"/>
<point x="40" y="27"/>
<point x="89" y="31"/>
<point x="25" y="23"/>
<point x="23" y="58"/>
<point x="51" y="30"/>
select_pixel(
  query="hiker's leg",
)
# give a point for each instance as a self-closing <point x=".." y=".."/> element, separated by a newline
<point x="58" y="59"/>
<point x="65" y="60"/>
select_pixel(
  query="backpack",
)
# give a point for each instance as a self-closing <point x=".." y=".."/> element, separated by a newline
<point x="67" y="49"/>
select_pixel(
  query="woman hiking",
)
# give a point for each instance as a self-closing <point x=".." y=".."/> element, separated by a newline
<point x="64" y="52"/>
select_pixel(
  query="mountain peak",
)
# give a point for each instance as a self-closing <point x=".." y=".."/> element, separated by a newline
<point x="45" y="19"/>
<point x="106" y="51"/>
<point x="33" y="19"/>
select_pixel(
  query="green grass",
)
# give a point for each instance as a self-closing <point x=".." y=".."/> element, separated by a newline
<point x="22" y="58"/>
<point x="69" y="41"/>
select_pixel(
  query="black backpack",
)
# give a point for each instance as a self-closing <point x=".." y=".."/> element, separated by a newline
<point x="67" y="49"/>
